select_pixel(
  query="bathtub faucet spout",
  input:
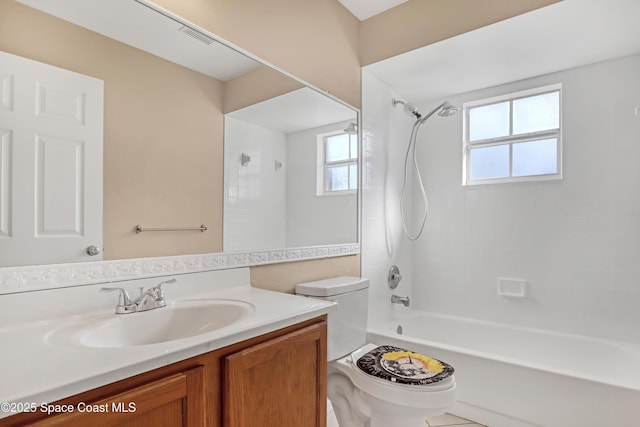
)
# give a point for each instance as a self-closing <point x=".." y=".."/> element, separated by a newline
<point x="395" y="299"/>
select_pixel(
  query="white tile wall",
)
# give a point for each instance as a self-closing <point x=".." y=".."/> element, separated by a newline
<point x="385" y="138"/>
<point x="576" y="242"/>
<point x="255" y="194"/>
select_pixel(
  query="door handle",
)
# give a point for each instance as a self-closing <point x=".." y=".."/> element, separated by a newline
<point x="93" y="250"/>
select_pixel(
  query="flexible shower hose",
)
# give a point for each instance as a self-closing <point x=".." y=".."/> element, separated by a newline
<point x="411" y="148"/>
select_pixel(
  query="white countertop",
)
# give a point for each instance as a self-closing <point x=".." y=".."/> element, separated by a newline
<point x="33" y="369"/>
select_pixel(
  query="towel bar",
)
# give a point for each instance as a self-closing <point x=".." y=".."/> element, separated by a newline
<point x="140" y="229"/>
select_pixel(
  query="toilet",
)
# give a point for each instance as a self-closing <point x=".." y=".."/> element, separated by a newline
<point x="375" y="385"/>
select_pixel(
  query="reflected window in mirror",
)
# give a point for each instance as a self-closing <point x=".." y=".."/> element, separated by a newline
<point x="337" y="170"/>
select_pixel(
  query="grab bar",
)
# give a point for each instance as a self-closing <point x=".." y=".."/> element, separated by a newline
<point x="140" y="229"/>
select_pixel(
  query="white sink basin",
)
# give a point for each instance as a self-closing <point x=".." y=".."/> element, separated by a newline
<point x="179" y="319"/>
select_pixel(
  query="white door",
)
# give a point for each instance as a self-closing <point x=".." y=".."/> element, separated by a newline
<point x="51" y="132"/>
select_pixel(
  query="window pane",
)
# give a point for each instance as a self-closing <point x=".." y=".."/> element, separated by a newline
<point x="489" y="121"/>
<point x="337" y="147"/>
<point x="535" y="157"/>
<point x="536" y="113"/>
<point x="490" y="162"/>
<point x="353" y="177"/>
<point x="354" y="146"/>
<point x="337" y="178"/>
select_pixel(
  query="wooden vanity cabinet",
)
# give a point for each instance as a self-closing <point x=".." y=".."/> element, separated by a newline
<point x="274" y="380"/>
<point x="281" y="382"/>
<point x="175" y="400"/>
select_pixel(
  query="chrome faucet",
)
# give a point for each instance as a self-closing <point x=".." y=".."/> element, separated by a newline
<point x="147" y="300"/>
<point x="395" y="299"/>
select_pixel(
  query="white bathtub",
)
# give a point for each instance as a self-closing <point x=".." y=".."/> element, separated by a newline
<point x="520" y="377"/>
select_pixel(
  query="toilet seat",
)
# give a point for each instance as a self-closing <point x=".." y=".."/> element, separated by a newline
<point x="401" y="366"/>
<point x="438" y="395"/>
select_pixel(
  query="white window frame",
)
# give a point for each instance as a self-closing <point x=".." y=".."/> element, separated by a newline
<point x="510" y="140"/>
<point x="322" y="165"/>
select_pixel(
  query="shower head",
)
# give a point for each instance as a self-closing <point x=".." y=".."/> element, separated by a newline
<point x="448" y="110"/>
<point x="408" y="108"/>
<point x="444" y="110"/>
<point x="351" y="129"/>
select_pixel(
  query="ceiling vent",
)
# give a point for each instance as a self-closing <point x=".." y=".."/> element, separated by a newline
<point x="203" y="38"/>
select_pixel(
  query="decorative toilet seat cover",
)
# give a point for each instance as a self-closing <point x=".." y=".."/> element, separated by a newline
<point x="403" y="366"/>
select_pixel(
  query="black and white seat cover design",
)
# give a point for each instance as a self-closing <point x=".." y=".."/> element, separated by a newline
<point x="403" y="366"/>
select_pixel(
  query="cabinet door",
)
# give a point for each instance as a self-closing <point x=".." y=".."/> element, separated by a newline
<point x="279" y="383"/>
<point x="177" y="400"/>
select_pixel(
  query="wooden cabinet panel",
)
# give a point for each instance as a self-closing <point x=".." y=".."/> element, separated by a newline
<point x="177" y="400"/>
<point x="278" y="383"/>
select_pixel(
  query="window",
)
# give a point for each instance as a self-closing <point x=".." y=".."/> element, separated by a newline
<point x="514" y="137"/>
<point x="337" y="163"/>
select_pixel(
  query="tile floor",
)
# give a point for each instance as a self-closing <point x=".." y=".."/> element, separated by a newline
<point x="450" y="420"/>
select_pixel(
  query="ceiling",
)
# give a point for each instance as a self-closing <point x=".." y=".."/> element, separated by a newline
<point x="145" y="26"/>
<point x="295" y="111"/>
<point x="564" y="35"/>
<point x="364" y="9"/>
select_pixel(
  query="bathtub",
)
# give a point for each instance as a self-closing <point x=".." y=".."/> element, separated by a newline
<point x="511" y="376"/>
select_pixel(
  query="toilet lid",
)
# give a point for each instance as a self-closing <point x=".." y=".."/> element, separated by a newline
<point x="403" y="366"/>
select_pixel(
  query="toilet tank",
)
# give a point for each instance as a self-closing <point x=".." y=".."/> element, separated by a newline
<point x="347" y="326"/>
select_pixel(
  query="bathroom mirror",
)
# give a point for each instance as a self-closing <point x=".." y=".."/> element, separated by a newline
<point x="169" y="89"/>
<point x="286" y="185"/>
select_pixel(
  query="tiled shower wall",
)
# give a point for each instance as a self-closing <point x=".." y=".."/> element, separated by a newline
<point x="255" y="193"/>
<point x="576" y="241"/>
<point x="385" y="132"/>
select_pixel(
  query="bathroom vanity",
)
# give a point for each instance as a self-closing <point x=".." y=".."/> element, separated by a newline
<point x="274" y="379"/>
<point x="267" y="367"/>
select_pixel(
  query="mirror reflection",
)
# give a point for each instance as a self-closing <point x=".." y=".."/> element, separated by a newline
<point x="290" y="173"/>
<point x="166" y="89"/>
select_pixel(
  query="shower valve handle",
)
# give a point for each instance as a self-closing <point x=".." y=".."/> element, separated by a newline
<point x="394" y="277"/>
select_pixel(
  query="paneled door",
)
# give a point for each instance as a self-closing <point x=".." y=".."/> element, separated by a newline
<point x="51" y="137"/>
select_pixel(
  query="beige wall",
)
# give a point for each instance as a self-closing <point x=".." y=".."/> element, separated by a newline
<point x="419" y="23"/>
<point x="323" y="44"/>
<point x="256" y="86"/>
<point x="162" y="137"/>
<point x="315" y="40"/>
<point x="284" y="277"/>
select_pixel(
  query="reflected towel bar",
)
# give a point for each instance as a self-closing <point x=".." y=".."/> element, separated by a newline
<point x="140" y="229"/>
